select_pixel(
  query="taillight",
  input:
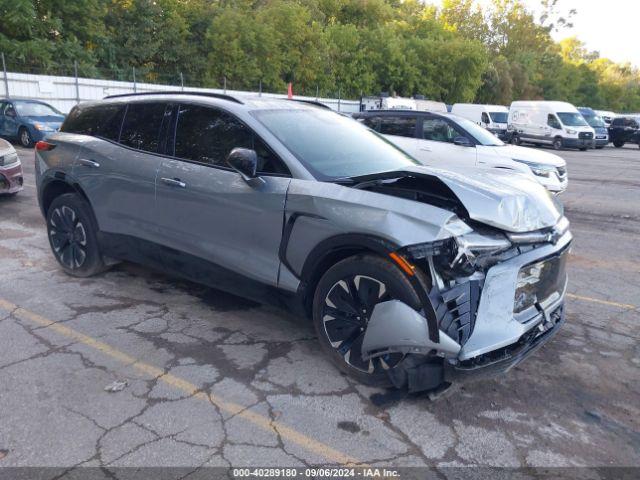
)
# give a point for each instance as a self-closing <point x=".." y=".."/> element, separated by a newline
<point x="44" y="146"/>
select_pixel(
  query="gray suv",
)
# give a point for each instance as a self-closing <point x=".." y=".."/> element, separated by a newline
<point x="413" y="276"/>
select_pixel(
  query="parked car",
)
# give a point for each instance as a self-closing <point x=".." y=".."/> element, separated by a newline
<point x="492" y="117"/>
<point x="413" y="276"/>
<point x="28" y="120"/>
<point x="447" y="141"/>
<point x="607" y="116"/>
<point x="597" y="123"/>
<point x="11" y="177"/>
<point x="625" y="129"/>
<point x="558" y="124"/>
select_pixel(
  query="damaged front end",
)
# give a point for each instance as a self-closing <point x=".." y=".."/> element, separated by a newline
<point x="495" y="297"/>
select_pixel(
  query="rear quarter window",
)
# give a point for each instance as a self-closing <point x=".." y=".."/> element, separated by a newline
<point x="102" y="121"/>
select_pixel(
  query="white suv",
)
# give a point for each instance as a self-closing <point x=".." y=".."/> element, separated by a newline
<point x="450" y="142"/>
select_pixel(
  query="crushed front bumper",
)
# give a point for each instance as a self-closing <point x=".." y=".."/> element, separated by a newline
<point x="502" y="335"/>
<point x="504" y="359"/>
<point x="11" y="178"/>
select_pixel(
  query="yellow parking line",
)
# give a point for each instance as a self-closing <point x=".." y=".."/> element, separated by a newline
<point x="626" y="306"/>
<point x="309" y="444"/>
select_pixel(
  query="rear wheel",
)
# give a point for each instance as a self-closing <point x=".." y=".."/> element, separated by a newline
<point x="516" y="140"/>
<point x="72" y="230"/>
<point x="618" y="143"/>
<point x="343" y="302"/>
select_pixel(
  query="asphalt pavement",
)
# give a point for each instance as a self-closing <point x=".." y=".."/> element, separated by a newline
<point x="208" y="379"/>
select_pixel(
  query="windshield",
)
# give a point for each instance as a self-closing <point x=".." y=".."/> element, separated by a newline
<point x="594" y="120"/>
<point x="32" y="109"/>
<point x="331" y="146"/>
<point x="499" y="117"/>
<point x="482" y="136"/>
<point x="571" y="119"/>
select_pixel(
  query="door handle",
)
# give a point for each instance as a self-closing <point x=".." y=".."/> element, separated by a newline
<point x="89" y="163"/>
<point x="174" y="182"/>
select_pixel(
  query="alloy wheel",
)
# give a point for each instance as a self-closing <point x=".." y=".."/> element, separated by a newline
<point x="25" y="139"/>
<point x="345" y="314"/>
<point x="68" y="237"/>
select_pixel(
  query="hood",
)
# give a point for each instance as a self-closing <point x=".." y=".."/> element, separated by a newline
<point x="532" y="155"/>
<point x="501" y="199"/>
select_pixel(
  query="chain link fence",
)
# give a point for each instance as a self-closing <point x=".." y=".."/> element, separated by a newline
<point x="64" y="85"/>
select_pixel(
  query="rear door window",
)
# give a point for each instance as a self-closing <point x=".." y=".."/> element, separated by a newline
<point x="402" y="126"/>
<point x="102" y="121"/>
<point x="141" y="127"/>
<point x="207" y="135"/>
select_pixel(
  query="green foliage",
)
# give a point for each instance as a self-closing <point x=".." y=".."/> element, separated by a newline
<point x="459" y="52"/>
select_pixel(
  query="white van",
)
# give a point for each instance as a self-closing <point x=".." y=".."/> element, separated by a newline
<point x="401" y="103"/>
<point x="386" y="103"/>
<point x="559" y="124"/>
<point x="492" y="117"/>
<point x="430" y="105"/>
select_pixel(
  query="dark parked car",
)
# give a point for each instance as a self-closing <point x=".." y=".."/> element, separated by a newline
<point x="625" y="130"/>
<point x="411" y="275"/>
<point x="28" y="120"/>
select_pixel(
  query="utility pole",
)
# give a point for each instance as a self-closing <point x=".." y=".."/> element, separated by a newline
<point x="135" y="86"/>
<point x="75" y="74"/>
<point x="6" y="79"/>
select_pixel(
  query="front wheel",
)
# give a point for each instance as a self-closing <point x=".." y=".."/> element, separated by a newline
<point x="25" y="137"/>
<point x="557" y="144"/>
<point x="72" y="235"/>
<point x="583" y="149"/>
<point x="618" y="144"/>
<point x="343" y="302"/>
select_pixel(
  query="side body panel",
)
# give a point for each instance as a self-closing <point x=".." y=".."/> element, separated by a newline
<point x="218" y="217"/>
<point x="120" y="184"/>
<point x="326" y="210"/>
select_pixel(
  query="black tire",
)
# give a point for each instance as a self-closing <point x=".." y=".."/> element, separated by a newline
<point x="24" y="137"/>
<point x="583" y="149"/>
<point x="557" y="143"/>
<point x="600" y="147"/>
<point x="618" y="143"/>
<point x="364" y="273"/>
<point x="71" y="228"/>
<point x="516" y="140"/>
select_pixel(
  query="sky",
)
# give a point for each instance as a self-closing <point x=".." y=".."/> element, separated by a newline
<point x="608" y="26"/>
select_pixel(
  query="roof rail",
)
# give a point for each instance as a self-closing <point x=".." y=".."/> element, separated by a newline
<point x="310" y="102"/>
<point x="221" y="96"/>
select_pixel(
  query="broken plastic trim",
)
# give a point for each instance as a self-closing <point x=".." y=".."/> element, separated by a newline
<point x="407" y="333"/>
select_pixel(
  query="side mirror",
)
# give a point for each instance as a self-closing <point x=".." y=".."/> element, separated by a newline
<point x="462" y="142"/>
<point x="10" y="112"/>
<point x="245" y="162"/>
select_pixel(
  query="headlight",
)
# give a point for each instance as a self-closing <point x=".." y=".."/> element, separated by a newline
<point x="526" y="287"/>
<point x="571" y="131"/>
<point x="42" y="127"/>
<point x="539" y="169"/>
<point x="8" y="159"/>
